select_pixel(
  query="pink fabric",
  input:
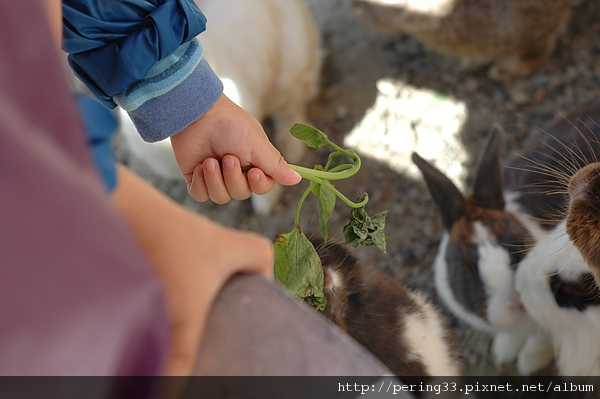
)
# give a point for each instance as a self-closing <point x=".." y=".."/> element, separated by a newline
<point x="76" y="296"/>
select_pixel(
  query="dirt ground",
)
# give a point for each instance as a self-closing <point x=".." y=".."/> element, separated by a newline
<point x="368" y="82"/>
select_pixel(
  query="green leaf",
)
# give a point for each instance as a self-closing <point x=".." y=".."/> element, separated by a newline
<point x="304" y="277"/>
<point x="297" y="264"/>
<point x="282" y="261"/>
<point x="365" y="230"/>
<point x="311" y="136"/>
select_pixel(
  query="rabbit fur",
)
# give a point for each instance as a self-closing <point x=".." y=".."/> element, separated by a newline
<point x="479" y="252"/>
<point x="552" y="184"/>
<point x="583" y="212"/>
<point x="553" y="281"/>
<point x="558" y="290"/>
<point x="267" y="53"/>
<point x="515" y="35"/>
<point x="393" y="322"/>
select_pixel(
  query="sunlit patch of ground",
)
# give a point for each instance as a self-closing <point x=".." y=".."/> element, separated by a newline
<point x="405" y="119"/>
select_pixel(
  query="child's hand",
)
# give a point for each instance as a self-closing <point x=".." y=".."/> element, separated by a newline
<point x="214" y="152"/>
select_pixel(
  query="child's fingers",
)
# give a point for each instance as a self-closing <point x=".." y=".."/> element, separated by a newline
<point x="235" y="181"/>
<point x="217" y="191"/>
<point x="197" y="187"/>
<point x="272" y="164"/>
<point x="259" y="182"/>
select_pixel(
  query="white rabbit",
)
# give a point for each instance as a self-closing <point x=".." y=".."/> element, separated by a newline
<point x="393" y="322"/>
<point x="516" y="35"/>
<point x="267" y="53"/>
<point x="476" y="261"/>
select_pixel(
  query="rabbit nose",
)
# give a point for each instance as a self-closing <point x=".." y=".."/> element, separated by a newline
<point x="517" y="306"/>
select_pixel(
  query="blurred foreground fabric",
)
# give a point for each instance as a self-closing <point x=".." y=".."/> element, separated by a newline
<point x="76" y="297"/>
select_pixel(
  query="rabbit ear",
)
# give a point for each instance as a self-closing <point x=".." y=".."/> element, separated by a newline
<point x="450" y="201"/>
<point x="488" y="187"/>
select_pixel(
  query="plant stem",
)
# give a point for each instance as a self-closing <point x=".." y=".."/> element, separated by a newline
<point x="309" y="174"/>
<point x="341" y="196"/>
<point x="300" y="202"/>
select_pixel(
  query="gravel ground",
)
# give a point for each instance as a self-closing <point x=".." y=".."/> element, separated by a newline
<point x="387" y="95"/>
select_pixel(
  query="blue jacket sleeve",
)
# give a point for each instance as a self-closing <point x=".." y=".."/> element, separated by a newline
<point x="113" y="43"/>
<point x="99" y="124"/>
<point x="141" y="55"/>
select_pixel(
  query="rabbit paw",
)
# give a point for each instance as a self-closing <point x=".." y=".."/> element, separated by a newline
<point x="472" y="63"/>
<point x="506" y="347"/>
<point x="264" y="204"/>
<point x="536" y="354"/>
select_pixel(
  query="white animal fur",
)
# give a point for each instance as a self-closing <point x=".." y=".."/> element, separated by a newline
<point x="574" y="334"/>
<point x="504" y="308"/>
<point x="423" y="332"/>
<point x="267" y="52"/>
<point x="337" y="281"/>
<point x="157" y="157"/>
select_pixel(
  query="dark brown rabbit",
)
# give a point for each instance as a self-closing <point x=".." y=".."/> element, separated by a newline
<point x="516" y="35"/>
<point x="393" y="322"/>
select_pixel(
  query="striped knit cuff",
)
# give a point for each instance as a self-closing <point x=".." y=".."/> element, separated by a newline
<point x="174" y="93"/>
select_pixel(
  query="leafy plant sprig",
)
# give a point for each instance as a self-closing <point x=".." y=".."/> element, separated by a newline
<point x="297" y="264"/>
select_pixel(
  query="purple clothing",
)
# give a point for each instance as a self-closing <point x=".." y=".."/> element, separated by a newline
<point x="76" y="295"/>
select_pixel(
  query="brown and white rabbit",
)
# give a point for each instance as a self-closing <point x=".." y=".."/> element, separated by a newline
<point x="516" y="35"/>
<point x="393" y="322"/>
<point x="479" y="252"/>
<point x="553" y="280"/>
<point x="268" y="55"/>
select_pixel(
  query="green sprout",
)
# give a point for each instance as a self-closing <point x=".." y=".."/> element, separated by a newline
<point x="297" y="264"/>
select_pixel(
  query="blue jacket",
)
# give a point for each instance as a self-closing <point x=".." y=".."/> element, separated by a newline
<point x="142" y="55"/>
